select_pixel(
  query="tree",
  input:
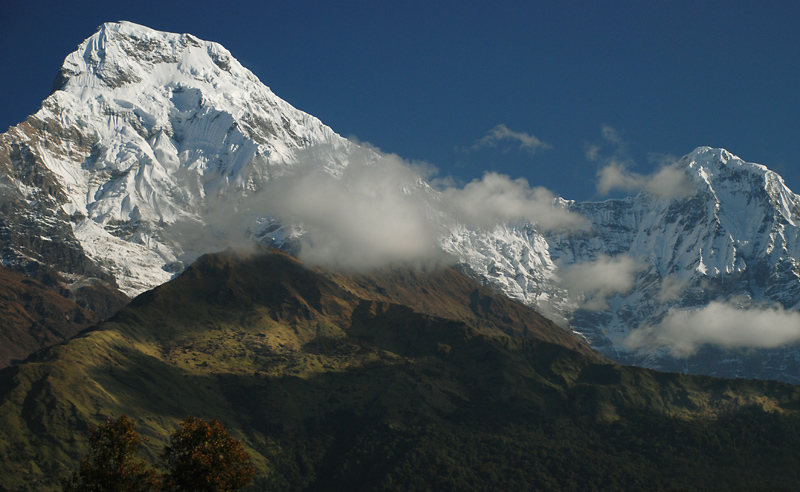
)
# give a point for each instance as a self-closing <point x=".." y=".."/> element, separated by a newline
<point x="203" y="457"/>
<point x="110" y="465"/>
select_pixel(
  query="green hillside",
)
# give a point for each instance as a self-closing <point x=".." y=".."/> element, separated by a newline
<point x="398" y="380"/>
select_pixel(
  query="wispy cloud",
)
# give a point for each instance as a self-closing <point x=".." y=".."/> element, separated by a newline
<point x="592" y="152"/>
<point x="595" y="281"/>
<point x="611" y="135"/>
<point x="667" y="182"/>
<point x="683" y="331"/>
<point x="671" y="289"/>
<point x="502" y="134"/>
<point x="612" y="139"/>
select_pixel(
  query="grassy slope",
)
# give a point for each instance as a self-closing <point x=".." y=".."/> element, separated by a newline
<point x="332" y="387"/>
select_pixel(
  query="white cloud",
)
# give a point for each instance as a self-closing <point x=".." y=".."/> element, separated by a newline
<point x="725" y="325"/>
<point x="366" y="209"/>
<point x="371" y="215"/>
<point x="615" y="176"/>
<point x="661" y="160"/>
<point x="600" y="279"/>
<point x="671" y="289"/>
<point x="668" y="182"/>
<point x="364" y="212"/>
<point x="496" y="199"/>
<point x="611" y="138"/>
<point x="500" y="133"/>
<point x="592" y="152"/>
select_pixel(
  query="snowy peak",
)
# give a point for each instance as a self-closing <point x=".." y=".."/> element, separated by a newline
<point x="174" y="119"/>
<point x="740" y="187"/>
<point x="123" y="52"/>
<point x="711" y="168"/>
<point x="148" y="129"/>
<point x="731" y="240"/>
<point x="719" y="168"/>
<point x="126" y="67"/>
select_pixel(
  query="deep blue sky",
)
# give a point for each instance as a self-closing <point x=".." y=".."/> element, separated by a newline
<point x="427" y="80"/>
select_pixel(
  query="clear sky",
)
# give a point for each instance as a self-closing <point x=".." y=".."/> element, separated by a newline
<point x="432" y="80"/>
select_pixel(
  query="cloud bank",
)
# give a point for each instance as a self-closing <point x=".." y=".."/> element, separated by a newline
<point x="366" y="210"/>
<point x="600" y="279"/>
<point x="725" y="325"/>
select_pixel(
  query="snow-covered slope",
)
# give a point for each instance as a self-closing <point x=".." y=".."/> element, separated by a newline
<point x="144" y="131"/>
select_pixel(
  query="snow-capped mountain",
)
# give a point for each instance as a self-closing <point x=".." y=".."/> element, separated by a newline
<point x="143" y="131"/>
<point x="121" y="177"/>
<point x="730" y="239"/>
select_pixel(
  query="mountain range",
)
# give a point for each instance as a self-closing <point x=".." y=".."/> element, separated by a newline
<point x="155" y="148"/>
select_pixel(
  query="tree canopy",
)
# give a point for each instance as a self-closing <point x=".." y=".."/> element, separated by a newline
<point x="111" y="465"/>
<point x="200" y="457"/>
